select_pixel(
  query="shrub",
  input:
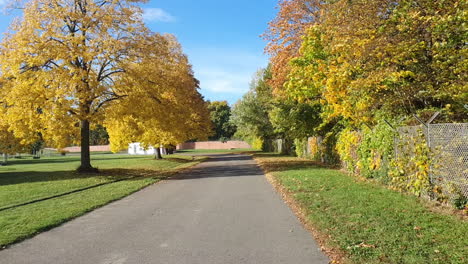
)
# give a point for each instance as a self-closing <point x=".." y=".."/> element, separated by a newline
<point x="347" y="145"/>
<point x="410" y="169"/>
<point x="376" y="151"/>
<point x="256" y="143"/>
<point x="62" y="152"/>
<point x="300" y="145"/>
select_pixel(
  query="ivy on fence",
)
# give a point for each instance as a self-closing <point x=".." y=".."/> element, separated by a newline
<point x="426" y="160"/>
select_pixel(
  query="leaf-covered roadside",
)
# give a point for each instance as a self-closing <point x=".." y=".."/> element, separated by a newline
<point x="369" y="223"/>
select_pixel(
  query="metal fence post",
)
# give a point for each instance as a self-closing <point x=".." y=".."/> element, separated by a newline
<point x="429" y="145"/>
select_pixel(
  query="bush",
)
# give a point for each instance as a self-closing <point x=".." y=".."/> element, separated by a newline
<point x="314" y="147"/>
<point x="367" y="152"/>
<point x="63" y="152"/>
<point x="411" y="168"/>
<point x="347" y="146"/>
<point x="300" y="145"/>
<point x="376" y="151"/>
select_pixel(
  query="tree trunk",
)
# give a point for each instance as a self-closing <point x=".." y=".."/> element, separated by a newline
<point x="85" y="166"/>
<point x="158" y="153"/>
<point x="170" y="150"/>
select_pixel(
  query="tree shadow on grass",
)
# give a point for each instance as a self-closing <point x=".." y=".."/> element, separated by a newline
<point x="271" y="155"/>
<point x="11" y="178"/>
<point x="13" y="164"/>
<point x="112" y="176"/>
<point x="29" y="161"/>
<point x="39" y="193"/>
<point x="65" y="159"/>
<point x="272" y="162"/>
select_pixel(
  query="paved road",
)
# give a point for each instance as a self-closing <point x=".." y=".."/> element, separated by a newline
<point x="222" y="212"/>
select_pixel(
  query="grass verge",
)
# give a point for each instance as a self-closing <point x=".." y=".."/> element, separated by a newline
<point x="362" y="222"/>
<point x="56" y="193"/>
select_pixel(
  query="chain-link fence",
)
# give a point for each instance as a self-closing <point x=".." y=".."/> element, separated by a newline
<point x="448" y="145"/>
<point x="433" y="156"/>
<point x="273" y="145"/>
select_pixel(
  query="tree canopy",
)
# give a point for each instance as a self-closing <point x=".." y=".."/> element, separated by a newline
<point x="67" y="65"/>
<point x="220" y="114"/>
<point x="351" y="65"/>
<point x="360" y="59"/>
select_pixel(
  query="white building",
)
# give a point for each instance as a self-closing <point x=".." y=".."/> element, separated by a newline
<point x="137" y="149"/>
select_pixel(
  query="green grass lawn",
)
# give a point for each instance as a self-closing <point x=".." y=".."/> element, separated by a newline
<point x="26" y="180"/>
<point x="368" y="222"/>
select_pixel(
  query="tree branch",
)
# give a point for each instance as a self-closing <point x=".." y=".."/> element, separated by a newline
<point x="111" y="73"/>
<point x="101" y="104"/>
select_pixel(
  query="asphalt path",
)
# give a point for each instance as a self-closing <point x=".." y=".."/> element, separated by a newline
<point x="222" y="211"/>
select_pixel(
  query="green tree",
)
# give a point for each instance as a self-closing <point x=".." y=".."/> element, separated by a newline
<point x="220" y="114"/>
<point x="250" y="114"/>
<point x="99" y="136"/>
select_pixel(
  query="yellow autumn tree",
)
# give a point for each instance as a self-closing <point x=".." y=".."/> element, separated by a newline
<point x="162" y="105"/>
<point x="68" y="62"/>
<point x="9" y="144"/>
<point x="62" y="61"/>
<point x="284" y="35"/>
<point x="366" y="58"/>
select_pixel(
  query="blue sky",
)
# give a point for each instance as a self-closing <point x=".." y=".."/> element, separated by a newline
<point x="221" y="39"/>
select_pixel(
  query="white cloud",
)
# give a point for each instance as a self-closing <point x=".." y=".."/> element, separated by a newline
<point x="222" y="81"/>
<point x="155" y="15"/>
<point x="225" y="71"/>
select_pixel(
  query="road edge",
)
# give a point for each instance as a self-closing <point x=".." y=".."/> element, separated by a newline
<point x="335" y="255"/>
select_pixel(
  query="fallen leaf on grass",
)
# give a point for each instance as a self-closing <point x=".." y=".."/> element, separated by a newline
<point x="362" y="245"/>
<point x="367" y="245"/>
